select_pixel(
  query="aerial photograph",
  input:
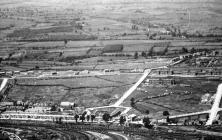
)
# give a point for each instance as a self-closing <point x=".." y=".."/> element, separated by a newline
<point x="110" y="69"/>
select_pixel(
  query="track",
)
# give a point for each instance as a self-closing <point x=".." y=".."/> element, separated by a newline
<point x="115" y="132"/>
<point x="45" y="133"/>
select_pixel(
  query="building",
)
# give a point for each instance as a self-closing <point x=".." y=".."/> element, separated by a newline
<point x="66" y="104"/>
<point x="162" y="81"/>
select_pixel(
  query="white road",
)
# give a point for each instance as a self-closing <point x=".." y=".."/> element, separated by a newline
<point x="121" y="135"/>
<point x="212" y="113"/>
<point x="216" y="106"/>
<point x="3" y="84"/>
<point x="133" y="88"/>
<point x="99" y="136"/>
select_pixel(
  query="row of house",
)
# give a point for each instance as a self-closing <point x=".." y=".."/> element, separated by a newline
<point x="188" y="71"/>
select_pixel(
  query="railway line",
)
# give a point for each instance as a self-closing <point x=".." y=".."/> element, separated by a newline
<point x="115" y="132"/>
<point x="46" y="133"/>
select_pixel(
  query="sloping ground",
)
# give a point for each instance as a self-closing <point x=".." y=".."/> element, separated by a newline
<point x="100" y="131"/>
<point x="179" y="102"/>
<point x="88" y="91"/>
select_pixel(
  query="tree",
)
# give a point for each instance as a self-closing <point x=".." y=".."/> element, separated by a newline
<point x="143" y="54"/>
<point x="150" y="52"/>
<point x="106" y="117"/>
<point x="65" y="41"/>
<point x="147" y="112"/>
<point x="93" y="117"/>
<point x="76" y="117"/>
<point x="146" y="122"/>
<point x="53" y="108"/>
<point x="82" y="118"/>
<point x="36" y="67"/>
<point x="184" y="50"/>
<point x="122" y="120"/>
<point x="60" y="120"/>
<point x="136" y="55"/>
<point x="87" y="118"/>
<point x="173" y="34"/>
<point x="60" y="54"/>
<point x="132" y="102"/>
<point x="165" y="50"/>
<point x="192" y="50"/>
<point x="166" y="113"/>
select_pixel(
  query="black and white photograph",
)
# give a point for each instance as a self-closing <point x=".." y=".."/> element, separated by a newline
<point x="110" y="69"/>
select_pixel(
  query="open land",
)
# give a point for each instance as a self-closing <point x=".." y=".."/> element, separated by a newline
<point x="93" y="53"/>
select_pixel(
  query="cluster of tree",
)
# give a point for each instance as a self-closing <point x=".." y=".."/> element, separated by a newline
<point x="107" y="117"/>
<point x="136" y="55"/>
<point x="79" y="26"/>
<point x="146" y="120"/>
<point x="184" y="50"/>
<point x="176" y="32"/>
<point x="23" y="107"/>
<point x="193" y="50"/>
<point x="117" y="55"/>
<point x="84" y="117"/>
<point x="135" y="27"/>
<point x="144" y="54"/>
<point x="66" y="41"/>
<point x="132" y="102"/>
<point x="147" y="123"/>
<point x="143" y="21"/>
<point x="105" y="28"/>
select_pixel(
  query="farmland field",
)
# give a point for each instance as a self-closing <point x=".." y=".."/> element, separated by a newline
<point x="92" y="52"/>
<point x="179" y="102"/>
<point x="88" y="92"/>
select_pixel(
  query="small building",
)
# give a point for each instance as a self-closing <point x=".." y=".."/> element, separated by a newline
<point x="108" y="70"/>
<point x="162" y="81"/>
<point x="66" y="104"/>
<point x="6" y="103"/>
<point x="10" y="62"/>
<point x="84" y="72"/>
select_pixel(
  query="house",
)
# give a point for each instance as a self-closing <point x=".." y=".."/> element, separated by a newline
<point x="9" y="62"/>
<point x="66" y="104"/>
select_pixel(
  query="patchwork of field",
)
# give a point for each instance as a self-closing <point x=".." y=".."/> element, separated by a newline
<point x="88" y="92"/>
<point x="108" y="19"/>
<point x="186" y="97"/>
<point x="125" y="36"/>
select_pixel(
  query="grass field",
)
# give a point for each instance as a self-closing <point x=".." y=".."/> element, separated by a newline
<point x="132" y="65"/>
<point x="179" y="102"/>
<point x="54" y="22"/>
<point x="90" y="91"/>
